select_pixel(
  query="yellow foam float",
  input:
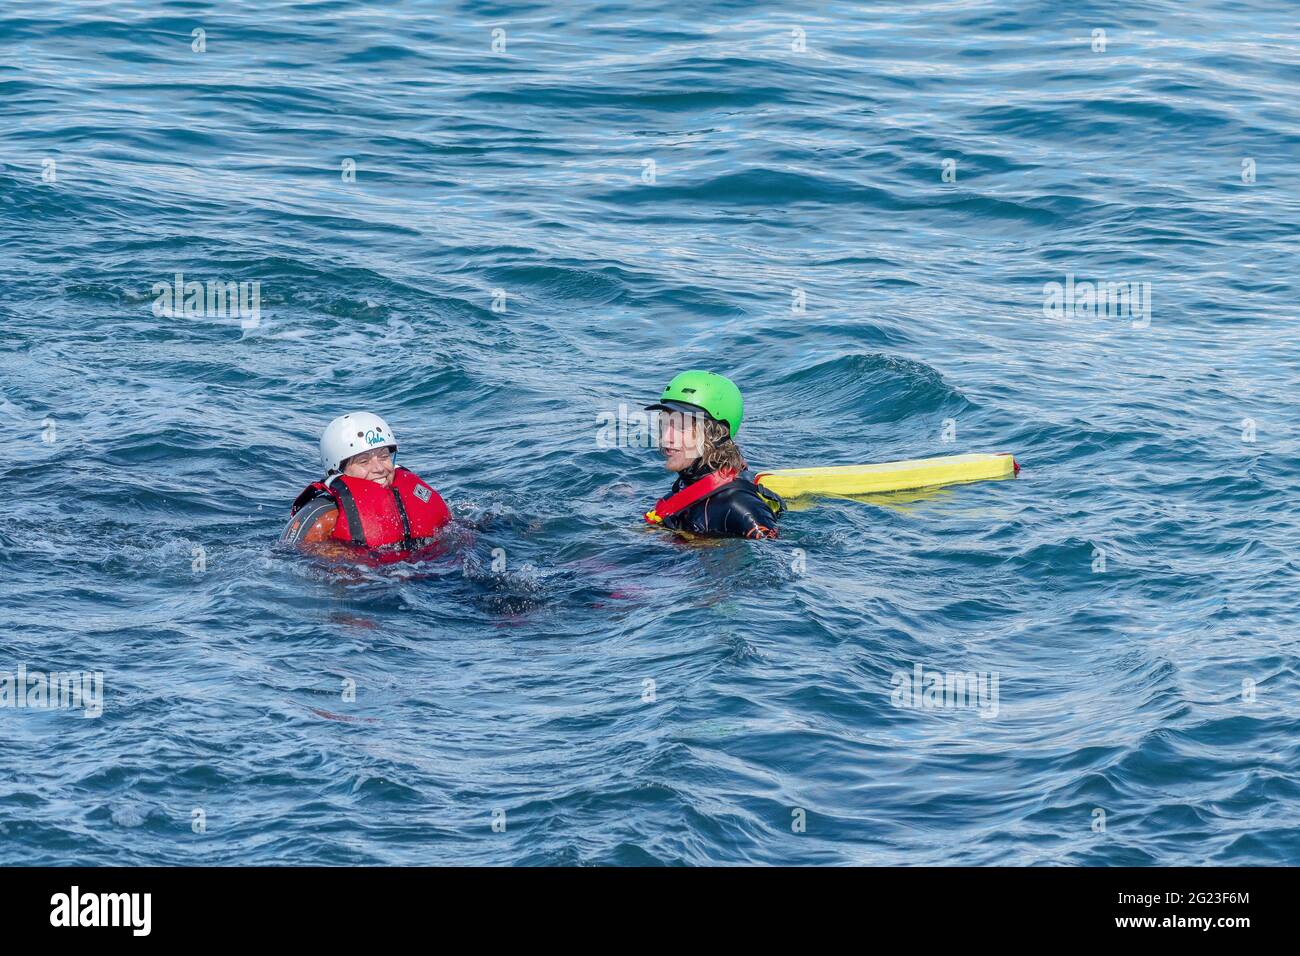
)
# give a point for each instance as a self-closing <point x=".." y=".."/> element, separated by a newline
<point x="852" y="480"/>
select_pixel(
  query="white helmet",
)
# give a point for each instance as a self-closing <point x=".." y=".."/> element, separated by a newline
<point x="350" y="435"/>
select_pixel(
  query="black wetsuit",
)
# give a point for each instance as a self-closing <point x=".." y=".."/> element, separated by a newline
<point x="736" y="509"/>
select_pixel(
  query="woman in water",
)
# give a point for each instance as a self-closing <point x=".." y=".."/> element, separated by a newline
<point x="700" y="413"/>
<point x="364" y="500"/>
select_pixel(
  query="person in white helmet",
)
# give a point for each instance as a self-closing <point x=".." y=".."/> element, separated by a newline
<point x="365" y="500"/>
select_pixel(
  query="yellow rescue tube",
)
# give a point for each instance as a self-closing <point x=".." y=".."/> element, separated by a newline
<point x="887" y="476"/>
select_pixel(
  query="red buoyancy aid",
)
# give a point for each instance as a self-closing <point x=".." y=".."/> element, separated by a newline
<point x="695" y="491"/>
<point x="372" y="516"/>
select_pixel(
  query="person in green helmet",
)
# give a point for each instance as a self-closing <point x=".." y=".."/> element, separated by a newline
<point x="699" y="415"/>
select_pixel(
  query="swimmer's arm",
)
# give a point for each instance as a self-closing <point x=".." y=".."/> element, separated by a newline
<point x="312" y="525"/>
<point x="750" y="517"/>
<point x="313" y="533"/>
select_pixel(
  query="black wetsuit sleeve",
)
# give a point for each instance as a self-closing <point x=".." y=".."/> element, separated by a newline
<point x="307" y="516"/>
<point x="746" y="515"/>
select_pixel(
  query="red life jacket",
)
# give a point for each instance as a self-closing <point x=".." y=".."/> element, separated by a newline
<point x="695" y="491"/>
<point x="372" y="516"/>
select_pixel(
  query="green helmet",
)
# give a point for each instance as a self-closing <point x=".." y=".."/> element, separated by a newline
<point x="696" y="391"/>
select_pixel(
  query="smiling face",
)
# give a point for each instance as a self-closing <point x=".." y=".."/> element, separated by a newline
<point x="681" y="439"/>
<point x="375" y="465"/>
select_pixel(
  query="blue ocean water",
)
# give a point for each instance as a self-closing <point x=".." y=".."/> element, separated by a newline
<point x="497" y="240"/>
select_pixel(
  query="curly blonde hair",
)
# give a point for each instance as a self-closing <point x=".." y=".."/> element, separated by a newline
<point x="718" y="450"/>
